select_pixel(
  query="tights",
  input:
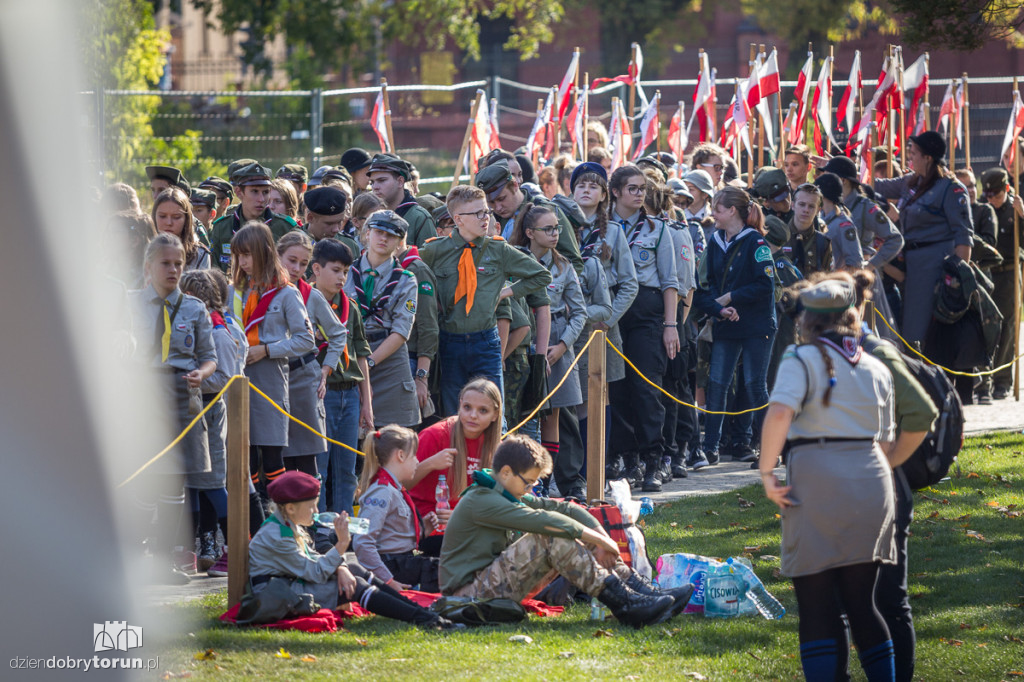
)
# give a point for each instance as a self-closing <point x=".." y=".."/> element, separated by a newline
<point x="304" y="463"/>
<point x="273" y="464"/>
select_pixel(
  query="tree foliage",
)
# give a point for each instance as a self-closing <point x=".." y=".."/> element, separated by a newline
<point x="959" y="24"/>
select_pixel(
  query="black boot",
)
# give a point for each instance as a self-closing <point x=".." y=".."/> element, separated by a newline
<point x="679" y="467"/>
<point x="632" y="608"/>
<point x="615" y="468"/>
<point x="652" y="479"/>
<point x="682" y="595"/>
<point x="391" y="604"/>
<point x="666" y="469"/>
<point x="634" y="469"/>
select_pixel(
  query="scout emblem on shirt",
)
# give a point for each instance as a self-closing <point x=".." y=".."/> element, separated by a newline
<point x="426" y="289"/>
<point x="762" y="254"/>
<point x="769" y="271"/>
<point x="684" y="253"/>
<point x="410" y="305"/>
<point x="644" y="254"/>
<point x="850" y="233"/>
<point x="188" y="340"/>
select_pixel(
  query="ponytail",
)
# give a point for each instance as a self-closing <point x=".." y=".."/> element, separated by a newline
<point x="380" y="446"/>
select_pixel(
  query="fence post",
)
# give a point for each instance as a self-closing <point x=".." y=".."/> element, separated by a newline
<point x="316" y="120"/>
<point x="238" y="488"/>
<point x="597" y="393"/>
<point x="101" y="134"/>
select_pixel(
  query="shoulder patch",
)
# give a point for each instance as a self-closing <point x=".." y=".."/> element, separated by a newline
<point x="410" y="305"/>
<point x="850" y="233"/>
<point x="762" y="254"/>
<point x="426" y="289"/>
<point x="498" y="238"/>
<point x="769" y="271"/>
<point x="432" y="239"/>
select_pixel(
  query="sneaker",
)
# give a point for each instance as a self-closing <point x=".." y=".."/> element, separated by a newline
<point x="984" y="399"/>
<point x="220" y="568"/>
<point x="744" y="453"/>
<point x="678" y="468"/>
<point x="184" y="560"/>
<point x="712" y="457"/>
<point x="615" y="468"/>
<point x="698" y="460"/>
<point x="665" y="471"/>
<point x="1001" y="392"/>
<point x="207" y="551"/>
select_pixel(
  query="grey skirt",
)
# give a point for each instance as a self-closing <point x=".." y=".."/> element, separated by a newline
<point x="844" y="508"/>
<point x="192" y="454"/>
<point x="267" y="425"/>
<point x="307" y="407"/>
<point x="394" y="391"/>
<point x="216" y="437"/>
<point x="614" y="365"/>
<point x="569" y="394"/>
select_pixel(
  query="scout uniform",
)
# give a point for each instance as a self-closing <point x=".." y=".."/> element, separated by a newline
<point x="423" y="339"/>
<point x="568" y="316"/>
<point x="470" y="277"/>
<point x="225" y="227"/>
<point x="421" y="225"/>
<point x="878" y="236"/>
<point x="846" y="249"/>
<point x="182" y="341"/>
<point x="810" y="250"/>
<point x="304" y="375"/>
<point x="206" y="198"/>
<point x="786" y="275"/>
<point x="516" y="367"/>
<point x="387" y="299"/>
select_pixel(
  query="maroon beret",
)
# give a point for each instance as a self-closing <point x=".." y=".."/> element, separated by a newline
<point x="293" y="486"/>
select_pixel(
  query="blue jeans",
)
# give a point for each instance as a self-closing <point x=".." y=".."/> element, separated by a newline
<point x="725" y="353"/>
<point x="342" y="409"/>
<point x="464" y="357"/>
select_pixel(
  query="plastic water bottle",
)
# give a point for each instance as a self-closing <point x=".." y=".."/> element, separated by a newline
<point x="441" y="496"/>
<point x="358" y="525"/>
<point x="646" y="506"/>
<point x="598" y="611"/>
<point x="767" y="605"/>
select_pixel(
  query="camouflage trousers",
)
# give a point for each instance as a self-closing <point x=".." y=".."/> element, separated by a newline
<point x="531" y="562"/>
<point x="516" y="374"/>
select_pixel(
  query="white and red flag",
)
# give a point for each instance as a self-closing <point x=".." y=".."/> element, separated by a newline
<point x="650" y="126"/>
<point x="676" y="140"/>
<point x="916" y="78"/>
<point x="378" y="120"/>
<point x="823" y="106"/>
<point x="803" y="89"/>
<point x="567" y="85"/>
<point x="846" y="116"/>
<point x="1013" y="130"/>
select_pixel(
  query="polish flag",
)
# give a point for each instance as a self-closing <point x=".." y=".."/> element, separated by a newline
<point x="822" y="106"/>
<point x="495" y="141"/>
<point x="762" y="105"/>
<point x="803" y="89"/>
<point x="1013" y="130"/>
<point x="847" y="113"/>
<point x="379" y="123"/>
<point x="535" y="140"/>
<point x="575" y="122"/>
<point x="566" y="86"/>
<point x="741" y="115"/>
<point x="787" y="125"/>
<point x="676" y="141"/>
<point x="615" y="137"/>
<point x="729" y="126"/>
<point x="480" y="135"/>
<point x="769" y="74"/>
<point x="703" y="95"/>
<point x="952" y="107"/>
<point x="650" y="126"/>
<point x="916" y="78"/>
<point x="886" y="81"/>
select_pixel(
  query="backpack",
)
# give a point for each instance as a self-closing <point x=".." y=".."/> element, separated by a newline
<point x="933" y="458"/>
<point x="622" y="531"/>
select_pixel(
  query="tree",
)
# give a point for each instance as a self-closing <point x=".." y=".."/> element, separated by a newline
<point x="652" y="24"/>
<point x="959" y="24"/>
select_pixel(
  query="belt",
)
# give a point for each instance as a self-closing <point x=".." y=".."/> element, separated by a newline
<point x="299" y="362"/>
<point x="342" y="385"/>
<point x="655" y="290"/>
<point x="377" y="336"/>
<point x="796" y="442"/>
<point x="911" y="246"/>
<point x="260" y="579"/>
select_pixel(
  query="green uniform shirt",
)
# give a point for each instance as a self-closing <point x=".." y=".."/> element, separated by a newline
<point x="914" y="408"/>
<point x="357" y="345"/>
<point x="225" y="227"/>
<point x="421" y="224"/>
<point x="423" y="340"/>
<point x="487" y="520"/>
<point x="496" y="261"/>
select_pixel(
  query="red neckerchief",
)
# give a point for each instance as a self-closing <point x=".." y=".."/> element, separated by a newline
<point x="252" y="316"/>
<point x="411" y="255"/>
<point x="305" y="289"/>
<point x="343" y="318"/>
<point x="217" y="319"/>
<point x="384" y="478"/>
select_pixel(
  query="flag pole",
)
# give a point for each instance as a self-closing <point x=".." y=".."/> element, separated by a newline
<point x="903" y="128"/>
<point x="927" y="101"/>
<point x="657" y="114"/>
<point x="632" y="86"/>
<point x="831" y="73"/>
<point x="888" y="122"/>
<point x="387" y="115"/>
<point x="700" y="74"/>
<point x="760" y="123"/>
<point x="576" y="98"/>
<point x="967" y="127"/>
<point x="871" y="157"/>
<point x="535" y="152"/>
<point x="679" y="134"/>
<point x="751" y="123"/>
<point x="782" y="125"/>
<point x="954" y="121"/>
<point x="556" y="124"/>
<point x="809" y="116"/>
<point x="586" y="115"/>
<point x="1016" y="265"/>
<point x="465" y="141"/>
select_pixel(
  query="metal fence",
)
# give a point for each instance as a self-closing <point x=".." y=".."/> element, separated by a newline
<point x="201" y="132"/>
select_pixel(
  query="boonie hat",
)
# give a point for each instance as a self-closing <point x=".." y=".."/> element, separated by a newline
<point x="701" y="179"/>
<point x="679" y="188"/>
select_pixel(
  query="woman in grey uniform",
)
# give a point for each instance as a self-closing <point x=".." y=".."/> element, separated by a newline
<point x="935" y="218"/>
<point x="834" y="403"/>
<point x="277" y="329"/>
<point x="386" y="293"/>
<point x="307" y="380"/>
<point x="846" y="249"/>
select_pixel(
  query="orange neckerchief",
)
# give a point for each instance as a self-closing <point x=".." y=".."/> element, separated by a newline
<point x="467" y="277"/>
<point x="255" y="310"/>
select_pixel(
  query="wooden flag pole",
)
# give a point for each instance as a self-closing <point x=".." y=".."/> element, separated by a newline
<point x="903" y="124"/>
<point x="831" y="72"/>
<point x="760" y="123"/>
<point x="535" y="152"/>
<point x="556" y="127"/>
<point x="586" y="115"/>
<point x="387" y="114"/>
<point x="700" y="74"/>
<point x="1016" y="266"/>
<point x="657" y="113"/>
<point x="632" y="86"/>
<point x="597" y="391"/>
<point x="871" y="157"/>
<point x="809" y="115"/>
<point x="575" y="101"/>
<point x="954" y="121"/>
<point x="782" y="126"/>
<point x="967" y="126"/>
<point x="679" y="134"/>
<point x="751" y="123"/>
<point x="238" y="487"/>
<point x="465" y="140"/>
<point x="888" y="123"/>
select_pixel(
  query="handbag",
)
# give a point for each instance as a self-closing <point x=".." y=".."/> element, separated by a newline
<point x="274" y="602"/>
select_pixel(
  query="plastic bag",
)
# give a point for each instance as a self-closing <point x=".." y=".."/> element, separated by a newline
<point x="717" y="591"/>
<point x="677" y="570"/>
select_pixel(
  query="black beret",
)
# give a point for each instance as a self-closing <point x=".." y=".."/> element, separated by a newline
<point x="831" y="187"/>
<point x="355" y="159"/>
<point x="842" y="166"/>
<point x="325" y="200"/>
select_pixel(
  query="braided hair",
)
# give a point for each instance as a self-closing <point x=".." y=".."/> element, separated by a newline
<point x="813" y="325"/>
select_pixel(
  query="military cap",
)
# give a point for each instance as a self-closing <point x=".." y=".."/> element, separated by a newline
<point x="829" y="296"/>
<point x="325" y="200"/>
<point x="842" y="166"/>
<point x="655" y="163"/>
<point x="389" y="222"/>
<point x="171" y="175"/>
<point x="493" y="179"/>
<point x="994" y="180"/>
<point x="777" y="232"/>
<point x="235" y="165"/>
<point x="441" y="214"/>
<point x="293" y="486"/>
<point x="390" y="164"/>
<point x="770" y="184"/>
<point x="931" y="144"/>
<point x="253" y="174"/>
<point x="217" y="185"/>
<point x="831" y="187"/>
<point x="204" y="197"/>
<point x="679" y="188"/>
<point x="587" y="167"/>
<point x="355" y="159"/>
<point x="294" y="172"/>
<point x="702" y="181"/>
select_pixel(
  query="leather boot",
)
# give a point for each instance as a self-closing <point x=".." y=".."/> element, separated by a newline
<point x="632" y="608"/>
<point x="652" y="478"/>
<point x="682" y="595"/>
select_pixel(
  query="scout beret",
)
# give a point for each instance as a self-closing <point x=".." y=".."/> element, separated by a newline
<point x="829" y="296"/>
<point x="235" y="165"/>
<point x="355" y="159"/>
<point x="391" y="164"/>
<point x="389" y="222"/>
<point x="842" y="166"/>
<point x="655" y="163"/>
<point x="770" y="184"/>
<point x="702" y="181"/>
<point x="679" y="188"/>
<point x="325" y="200"/>
<point x="494" y="178"/>
<point x="777" y="231"/>
<point x="171" y="175"/>
<point x="994" y="180"/>
<point x="217" y="185"/>
<point x="587" y="167"/>
<point x="253" y="174"/>
<point x="293" y="486"/>
<point x="931" y="144"/>
<point x="204" y="197"/>
<point x="294" y="172"/>
<point x="831" y="187"/>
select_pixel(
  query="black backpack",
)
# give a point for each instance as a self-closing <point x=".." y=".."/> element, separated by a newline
<point x="933" y="458"/>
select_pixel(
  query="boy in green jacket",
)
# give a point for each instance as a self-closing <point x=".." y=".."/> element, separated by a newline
<point x="503" y="542"/>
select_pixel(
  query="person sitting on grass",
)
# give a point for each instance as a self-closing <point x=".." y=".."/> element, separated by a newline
<point x="478" y="561"/>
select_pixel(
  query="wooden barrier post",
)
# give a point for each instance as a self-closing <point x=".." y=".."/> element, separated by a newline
<point x="238" y="488"/>
<point x="597" y="397"/>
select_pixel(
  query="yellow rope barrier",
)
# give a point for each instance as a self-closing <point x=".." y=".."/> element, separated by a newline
<point x="944" y="369"/>
<point x="302" y="423"/>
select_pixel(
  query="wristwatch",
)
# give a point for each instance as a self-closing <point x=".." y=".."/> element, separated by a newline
<point x="369" y="362"/>
<point x="422" y="374"/>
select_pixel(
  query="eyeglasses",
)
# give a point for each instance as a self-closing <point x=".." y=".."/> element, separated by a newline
<point x="550" y="230"/>
<point x="529" y="484"/>
<point x="636" y="190"/>
<point x="480" y="215"/>
<point x="717" y="167"/>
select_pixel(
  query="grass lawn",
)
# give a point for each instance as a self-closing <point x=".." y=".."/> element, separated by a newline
<point x="966" y="585"/>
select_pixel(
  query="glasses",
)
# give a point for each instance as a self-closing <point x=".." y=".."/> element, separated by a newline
<point x="550" y="230"/>
<point x="636" y="190"/>
<point x="717" y="167"/>
<point x="529" y="484"/>
<point x="480" y="215"/>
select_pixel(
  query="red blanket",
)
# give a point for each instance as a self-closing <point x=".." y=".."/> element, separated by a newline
<point x="326" y="620"/>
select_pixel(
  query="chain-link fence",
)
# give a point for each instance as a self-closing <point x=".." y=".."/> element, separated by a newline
<point x="201" y="132"/>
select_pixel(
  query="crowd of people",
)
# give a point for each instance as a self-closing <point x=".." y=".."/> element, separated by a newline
<point x="420" y="328"/>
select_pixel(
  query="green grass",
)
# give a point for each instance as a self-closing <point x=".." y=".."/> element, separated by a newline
<point x="967" y="592"/>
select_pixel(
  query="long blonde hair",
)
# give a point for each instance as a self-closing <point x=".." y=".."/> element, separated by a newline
<point x="380" y="446"/>
<point x="491" y="436"/>
<point x="302" y="540"/>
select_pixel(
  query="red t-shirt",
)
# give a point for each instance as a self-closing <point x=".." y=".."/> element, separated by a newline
<point x="433" y="440"/>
